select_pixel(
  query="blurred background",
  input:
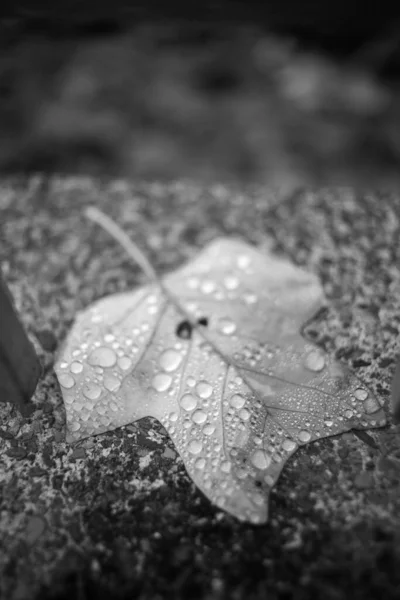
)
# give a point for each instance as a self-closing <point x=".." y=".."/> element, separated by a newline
<point x="283" y="92"/>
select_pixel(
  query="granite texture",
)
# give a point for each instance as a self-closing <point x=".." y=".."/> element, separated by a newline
<point x="116" y="515"/>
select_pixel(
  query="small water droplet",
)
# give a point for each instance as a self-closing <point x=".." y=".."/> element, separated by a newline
<point x="361" y="394"/>
<point x="348" y="414"/>
<point x="231" y="282"/>
<point x="204" y="390"/>
<point x="289" y="445"/>
<point x="195" y="446"/>
<point x="200" y="463"/>
<point x="97" y="318"/>
<point x="226" y="326"/>
<point x="328" y="422"/>
<point x="304" y="436"/>
<point x="250" y="298"/>
<point x="109" y="337"/>
<point x="260" y="459"/>
<point x="161" y="382"/>
<point x="173" y="417"/>
<point x="315" y="361"/>
<point x="207" y="286"/>
<point x="188" y="402"/>
<point x="243" y="261"/>
<point x="91" y="391"/>
<point x="191" y="382"/>
<point x="170" y="360"/>
<point x="237" y="401"/>
<point x="199" y="417"/>
<point x="63" y="365"/>
<point x="111" y="383"/>
<point x="124" y="363"/>
<point x="66" y="380"/>
<point x="102" y="357"/>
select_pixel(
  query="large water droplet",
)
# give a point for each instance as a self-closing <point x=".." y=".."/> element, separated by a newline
<point x="289" y="445"/>
<point x="111" y="383"/>
<point x="226" y="326"/>
<point x="124" y="363"/>
<point x="195" y="447"/>
<point x="371" y="406"/>
<point x="199" y="417"/>
<point x="191" y="382"/>
<point x="102" y="357"/>
<point x="173" y="417"/>
<point x="260" y="459"/>
<point x="348" y="414"/>
<point x="188" y="402"/>
<point x="76" y="367"/>
<point x="304" y="436"/>
<point x="66" y="380"/>
<point x="237" y="401"/>
<point x="170" y="360"/>
<point x="204" y="389"/>
<point x="315" y="361"/>
<point x="91" y="391"/>
<point x="161" y="382"/>
<point x="361" y="394"/>
<point x="226" y="466"/>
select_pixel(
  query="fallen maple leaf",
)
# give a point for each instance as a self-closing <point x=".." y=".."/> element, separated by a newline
<point x="214" y="352"/>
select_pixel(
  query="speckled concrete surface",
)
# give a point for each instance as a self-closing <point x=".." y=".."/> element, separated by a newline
<point x="117" y="516"/>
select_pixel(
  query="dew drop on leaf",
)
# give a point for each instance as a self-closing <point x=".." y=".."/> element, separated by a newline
<point x="315" y="361"/>
<point x="195" y="447"/>
<point x="111" y="382"/>
<point x="200" y="463"/>
<point x="102" y="357"/>
<point x="170" y="360"/>
<point x="289" y="445"/>
<point x="304" y="436"/>
<point x="244" y="414"/>
<point x="199" y="417"/>
<point x="237" y="401"/>
<point x="371" y="406"/>
<point x="125" y="363"/>
<point x="161" y="382"/>
<point x="188" y="402"/>
<point x="66" y="380"/>
<point x="204" y="390"/>
<point x="231" y="282"/>
<point x="92" y="391"/>
<point x="361" y="394"/>
<point x="76" y="367"/>
<point x="208" y="429"/>
<point x="226" y="326"/>
<point x="260" y="459"/>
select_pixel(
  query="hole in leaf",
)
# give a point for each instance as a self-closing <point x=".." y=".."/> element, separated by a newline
<point x="203" y="321"/>
<point x="184" y="330"/>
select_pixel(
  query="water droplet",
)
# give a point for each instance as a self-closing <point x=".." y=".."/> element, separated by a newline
<point x="102" y="357"/>
<point x="193" y="283"/>
<point x="200" y="463"/>
<point x="371" y="406"/>
<point x="66" y="380"/>
<point x="74" y="426"/>
<point x="76" y="367"/>
<point x="191" y="382"/>
<point x="328" y="422"/>
<point x="250" y="298"/>
<point x="207" y="286"/>
<point x="243" y="261"/>
<point x="260" y="459"/>
<point x="199" y="417"/>
<point x="170" y="360"/>
<point x="231" y="282"/>
<point x="237" y="401"/>
<point x="111" y="383"/>
<point x="315" y="361"/>
<point x="208" y="429"/>
<point x="195" y="447"/>
<point x="161" y="382"/>
<point x="188" y="402"/>
<point x="348" y="414"/>
<point x="204" y="389"/>
<point x="361" y="394"/>
<point x="244" y="414"/>
<point x="173" y="417"/>
<point x="63" y="365"/>
<point x="124" y="363"/>
<point x="304" y="436"/>
<point x="289" y="445"/>
<point x="226" y="326"/>
<point x="91" y="391"/>
<point x="96" y="318"/>
<point x="109" y="337"/>
<point x="226" y="466"/>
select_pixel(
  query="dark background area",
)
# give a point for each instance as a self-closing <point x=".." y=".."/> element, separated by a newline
<point x="282" y="92"/>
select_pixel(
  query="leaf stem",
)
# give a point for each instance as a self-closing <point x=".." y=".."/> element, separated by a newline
<point x="97" y="216"/>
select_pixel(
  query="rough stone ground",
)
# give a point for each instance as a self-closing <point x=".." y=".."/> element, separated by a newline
<point x="116" y="516"/>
